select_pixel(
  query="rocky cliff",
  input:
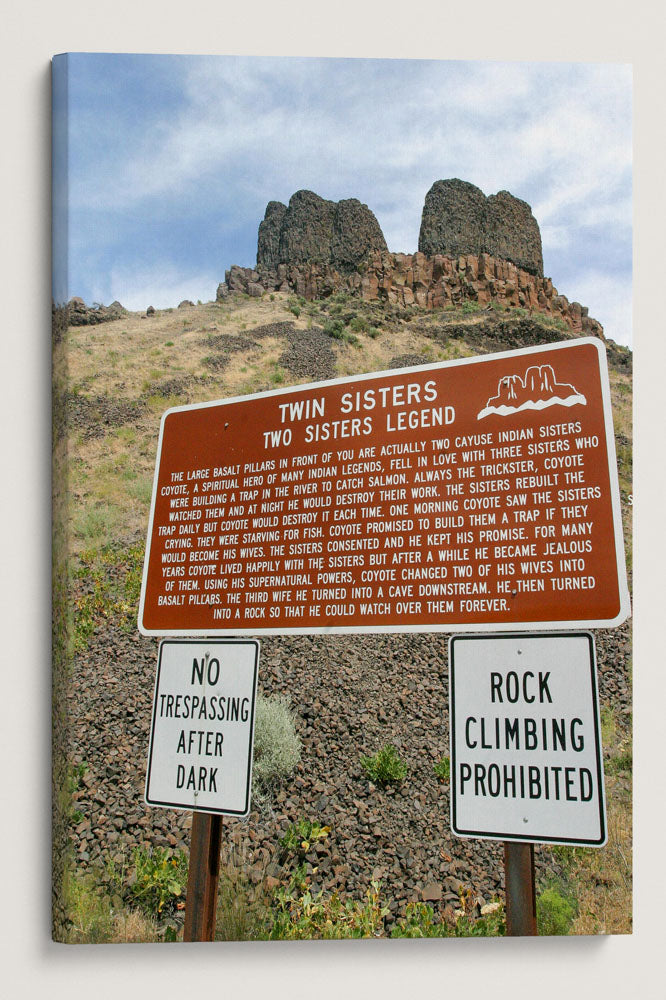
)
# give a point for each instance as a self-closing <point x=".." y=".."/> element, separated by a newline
<point x="471" y="248"/>
<point x="416" y="279"/>
<point x="459" y="219"/>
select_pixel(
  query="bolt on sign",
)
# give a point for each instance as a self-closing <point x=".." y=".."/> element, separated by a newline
<point x="202" y="731"/>
<point x="474" y="494"/>
<point x="526" y="759"/>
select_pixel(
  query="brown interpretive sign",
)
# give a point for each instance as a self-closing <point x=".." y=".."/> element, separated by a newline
<point x="474" y="494"/>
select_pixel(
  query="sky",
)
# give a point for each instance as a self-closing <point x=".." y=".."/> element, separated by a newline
<point x="171" y="161"/>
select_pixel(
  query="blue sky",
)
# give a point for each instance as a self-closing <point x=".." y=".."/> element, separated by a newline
<point x="172" y="159"/>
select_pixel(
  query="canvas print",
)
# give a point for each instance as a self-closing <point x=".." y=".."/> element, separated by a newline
<point x="342" y="443"/>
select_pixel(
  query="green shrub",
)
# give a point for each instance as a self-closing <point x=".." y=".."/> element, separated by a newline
<point x="443" y="769"/>
<point x="490" y="925"/>
<point x="385" y="766"/>
<point x="161" y="878"/>
<point x="302" y="915"/>
<point x="420" y="921"/>
<point x="622" y="762"/>
<point x="302" y="834"/>
<point x="106" y="598"/>
<point x="243" y="906"/>
<point x="277" y="747"/>
<point x="89" y="911"/>
<point x="555" y="912"/>
<point x="334" y="328"/>
<point x="359" y="324"/>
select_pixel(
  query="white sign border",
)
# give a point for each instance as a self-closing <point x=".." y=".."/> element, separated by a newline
<point x="623" y="589"/>
<point x="530" y="838"/>
<point x="216" y="641"/>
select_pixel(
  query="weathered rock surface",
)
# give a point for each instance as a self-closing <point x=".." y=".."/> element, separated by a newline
<point x="82" y="315"/>
<point x="268" y="242"/>
<point x="416" y="279"/>
<point x="458" y="219"/>
<point x="312" y="230"/>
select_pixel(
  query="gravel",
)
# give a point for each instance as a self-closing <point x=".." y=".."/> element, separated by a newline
<point x="309" y="354"/>
<point x="350" y="696"/>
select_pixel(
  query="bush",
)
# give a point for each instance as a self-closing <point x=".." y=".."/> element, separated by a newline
<point x="89" y="912"/>
<point x="385" y="766"/>
<point x="623" y="762"/>
<point x="301" y="835"/>
<point x="420" y="921"/>
<point x="301" y="915"/>
<point x="334" y="328"/>
<point x="96" y="918"/>
<point x="161" y="878"/>
<point x="277" y="747"/>
<point x="555" y="912"/>
<point x="243" y="905"/>
<point x="359" y="324"/>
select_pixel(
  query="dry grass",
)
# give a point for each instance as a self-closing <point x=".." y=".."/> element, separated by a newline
<point x="601" y="878"/>
<point x="131" y="358"/>
<point x="93" y="920"/>
<point x="245" y="892"/>
<point x="604" y="876"/>
<point x="132" y="927"/>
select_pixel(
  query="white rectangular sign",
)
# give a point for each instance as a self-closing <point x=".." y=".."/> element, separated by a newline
<point x="526" y="759"/>
<point x="202" y="731"/>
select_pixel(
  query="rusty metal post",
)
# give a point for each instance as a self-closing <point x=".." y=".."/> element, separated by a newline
<point x="520" y="889"/>
<point x="203" y="877"/>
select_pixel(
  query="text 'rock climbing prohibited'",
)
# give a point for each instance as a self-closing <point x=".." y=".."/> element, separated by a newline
<point x="526" y="761"/>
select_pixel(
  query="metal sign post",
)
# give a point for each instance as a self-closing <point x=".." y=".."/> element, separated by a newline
<point x="203" y="878"/>
<point x="200" y="756"/>
<point x="526" y="759"/>
<point x="520" y="889"/>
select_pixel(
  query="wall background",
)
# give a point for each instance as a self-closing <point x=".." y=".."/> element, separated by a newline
<point x="627" y="967"/>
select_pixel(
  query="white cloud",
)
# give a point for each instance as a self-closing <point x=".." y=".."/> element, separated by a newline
<point x="608" y="299"/>
<point x="161" y="287"/>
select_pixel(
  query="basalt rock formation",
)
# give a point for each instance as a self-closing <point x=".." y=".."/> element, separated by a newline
<point x="415" y="279"/>
<point x="459" y="219"/>
<point x="472" y="248"/>
<point x="311" y="230"/>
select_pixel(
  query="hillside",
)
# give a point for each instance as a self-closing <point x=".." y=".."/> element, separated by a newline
<point x="350" y="695"/>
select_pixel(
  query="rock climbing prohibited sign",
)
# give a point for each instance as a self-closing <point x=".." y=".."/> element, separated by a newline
<point x="526" y="759"/>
